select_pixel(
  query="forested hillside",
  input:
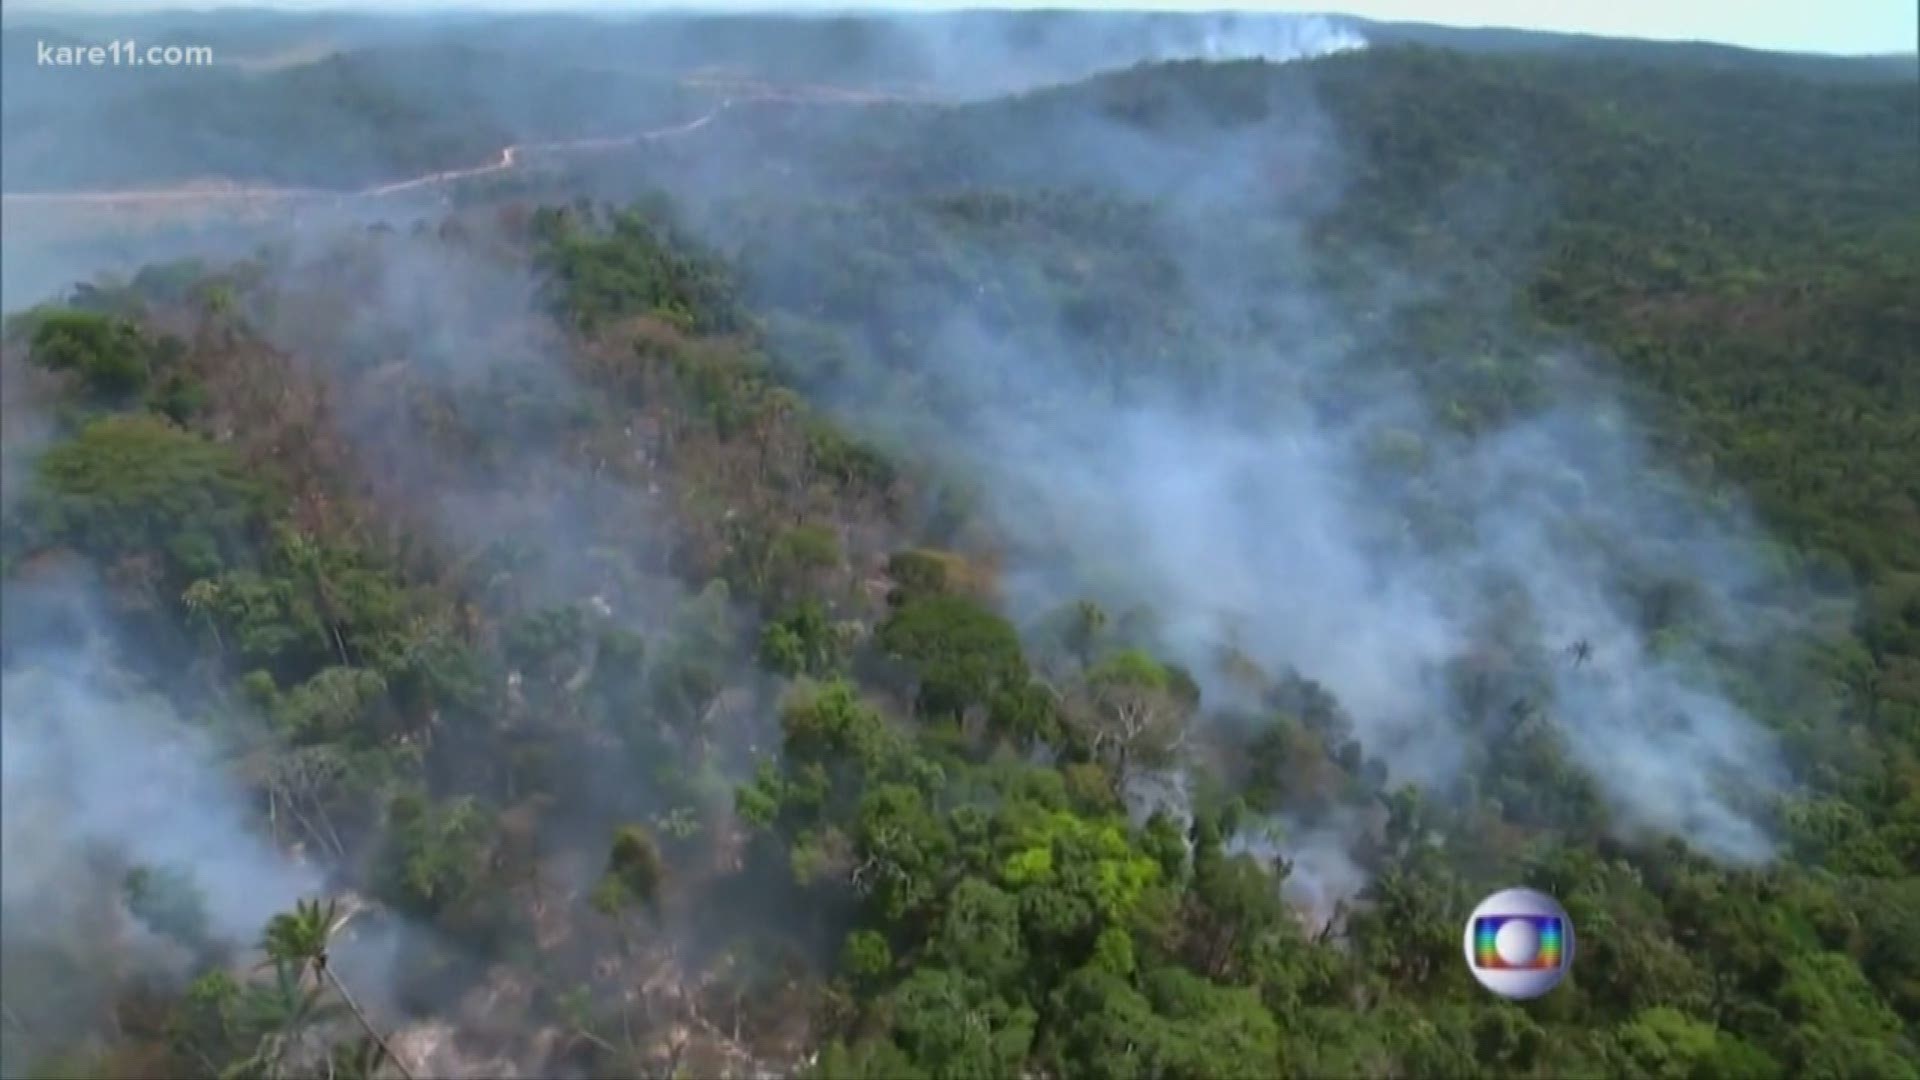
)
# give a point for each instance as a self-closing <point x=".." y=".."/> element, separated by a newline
<point x="1094" y="582"/>
<point x="341" y="100"/>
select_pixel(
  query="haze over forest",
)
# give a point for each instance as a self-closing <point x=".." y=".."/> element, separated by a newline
<point x="954" y="544"/>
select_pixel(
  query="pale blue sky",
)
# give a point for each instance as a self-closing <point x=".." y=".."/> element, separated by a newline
<point x="1850" y="26"/>
<point x="1844" y="26"/>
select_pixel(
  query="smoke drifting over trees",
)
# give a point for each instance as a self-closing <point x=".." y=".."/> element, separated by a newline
<point x="974" y="543"/>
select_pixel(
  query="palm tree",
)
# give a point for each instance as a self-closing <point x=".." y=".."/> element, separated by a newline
<point x="299" y="938"/>
<point x="274" y="1019"/>
<point x="358" y="1060"/>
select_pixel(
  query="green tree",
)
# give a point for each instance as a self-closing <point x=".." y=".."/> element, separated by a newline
<point x="980" y="935"/>
<point x="298" y="940"/>
<point x="137" y="485"/>
<point x="866" y="957"/>
<point x="1665" y="1043"/>
<point x="961" y="652"/>
<point x="1130" y="713"/>
<point x="953" y="1028"/>
<point x="108" y="354"/>
<point x="634" y="872"/>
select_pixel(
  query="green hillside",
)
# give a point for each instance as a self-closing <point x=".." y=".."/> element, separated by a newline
<point x="754" y="626"/>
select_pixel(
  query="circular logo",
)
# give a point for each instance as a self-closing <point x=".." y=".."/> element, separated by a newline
<point x="1519" y="943"/>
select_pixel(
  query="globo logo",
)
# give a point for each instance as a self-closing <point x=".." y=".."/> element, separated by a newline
<point x="1519" y="943"/>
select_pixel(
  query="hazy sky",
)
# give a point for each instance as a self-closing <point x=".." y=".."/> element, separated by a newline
<point x="1846" y="26"/>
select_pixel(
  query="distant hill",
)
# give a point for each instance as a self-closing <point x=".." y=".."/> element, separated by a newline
<point x="1697" y="55"/>
<point x="339" y="121"/>
<point x="346" y="99"/>
<point x="1090" y="569"/>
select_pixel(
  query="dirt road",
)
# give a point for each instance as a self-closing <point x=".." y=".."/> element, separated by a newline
<point x="509" y="157"/>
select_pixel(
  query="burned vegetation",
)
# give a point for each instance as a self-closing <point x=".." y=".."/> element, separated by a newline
<point x="915" y="600"/>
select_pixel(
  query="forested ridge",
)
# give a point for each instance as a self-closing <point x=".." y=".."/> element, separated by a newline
<point x="615" y="625"/>
<point x="343" y="121"/>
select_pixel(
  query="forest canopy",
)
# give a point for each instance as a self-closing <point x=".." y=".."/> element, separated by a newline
<point x="1090" y="581"/>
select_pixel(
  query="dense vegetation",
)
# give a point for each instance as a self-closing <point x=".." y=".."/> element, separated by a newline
<point x="669" y="726"/>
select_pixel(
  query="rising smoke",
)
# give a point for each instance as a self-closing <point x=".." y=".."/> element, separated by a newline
<point x="1259" y="514"/>
<point x="1253" y="513"/>
<point x="103" y="777"/>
